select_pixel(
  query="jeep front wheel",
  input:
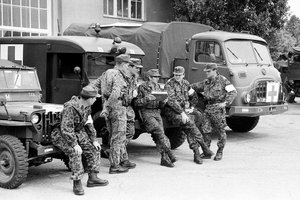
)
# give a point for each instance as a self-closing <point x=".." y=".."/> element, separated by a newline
<point x="13" y="162"/>
<point x="176" y="137"/>
<point x="242" y="124"/>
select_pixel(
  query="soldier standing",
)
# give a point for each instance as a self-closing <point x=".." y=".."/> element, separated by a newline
<point x="114" y="89"/>
<point x="177" y="110"/>
<point x="218" y="93"/>
<point x="76" y="136"/>
<point x="150" y="113"/>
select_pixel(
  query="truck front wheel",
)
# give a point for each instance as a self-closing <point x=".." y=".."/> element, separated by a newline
<point x="242" y="124"/>
<point x="176" y="137"/>
<point x="13" y="162"/>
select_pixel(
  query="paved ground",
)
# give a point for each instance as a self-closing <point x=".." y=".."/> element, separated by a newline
<point x="262" y="164"/>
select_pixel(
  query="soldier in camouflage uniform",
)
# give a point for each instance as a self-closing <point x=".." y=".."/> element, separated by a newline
<point x="149" y="109"/>
<point x="76" y="136"/>
<point x="115" y="90"/>
<point x="218" y="92"/>
<point x="177" y="110"/>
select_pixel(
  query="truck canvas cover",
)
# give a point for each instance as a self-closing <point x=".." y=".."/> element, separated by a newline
<point x="161" y="42"/>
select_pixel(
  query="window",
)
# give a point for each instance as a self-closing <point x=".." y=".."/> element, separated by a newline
<point x="131" y="9"/>
<point x="208" y="51"/>
<point x="25" y="17"/>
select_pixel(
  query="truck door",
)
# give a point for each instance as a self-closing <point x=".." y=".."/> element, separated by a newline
<point x="64" y="81"/>
<point x="203" y="52"/>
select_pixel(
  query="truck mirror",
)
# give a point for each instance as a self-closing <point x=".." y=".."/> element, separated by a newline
<point x="187" y="44"/>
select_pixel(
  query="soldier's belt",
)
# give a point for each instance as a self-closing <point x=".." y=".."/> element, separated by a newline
<point x="214" y="102"/>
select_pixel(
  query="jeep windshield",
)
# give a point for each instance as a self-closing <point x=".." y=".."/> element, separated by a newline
<point x="99" y="63"/>
<point x="18" y="79"/>
<point x="247" y="52"/>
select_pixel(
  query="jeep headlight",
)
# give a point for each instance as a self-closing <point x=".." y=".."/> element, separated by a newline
<point x="35" y="118"/>
<point x="247" y="98"/>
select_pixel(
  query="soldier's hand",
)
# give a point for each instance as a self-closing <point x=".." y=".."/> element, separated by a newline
<point x="104" y="114"/>
<point x="77" y="149"/>
<point x="97" y="145"/>
<point x="185" y="118"/>
<point x="150" y="97"/>
<point x="222" y="104"/>
<point x="189" y="110"/>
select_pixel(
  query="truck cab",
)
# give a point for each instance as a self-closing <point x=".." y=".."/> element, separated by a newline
<point x="245" y="61"/>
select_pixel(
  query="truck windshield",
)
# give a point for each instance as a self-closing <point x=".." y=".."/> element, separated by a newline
<point x="240" y="52"/>
<point x="262" y="53"/>
<point x="99" y="63"/>
<point x="18" y="79"/>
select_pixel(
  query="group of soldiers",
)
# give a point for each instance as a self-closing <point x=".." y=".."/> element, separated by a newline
<point x="119" y="90"/>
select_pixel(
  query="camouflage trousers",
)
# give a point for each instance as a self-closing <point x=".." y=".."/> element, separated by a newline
<point x="89" y="152"/>
<point x="154" y="125"/>
<point x="194" y="136"/>
<point x="130" y="129"/>
<point x="217" y="123"/>
<point x="116" y="126"/>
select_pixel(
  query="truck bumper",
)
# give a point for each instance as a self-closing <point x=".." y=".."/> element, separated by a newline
<point x="253" y="111"/>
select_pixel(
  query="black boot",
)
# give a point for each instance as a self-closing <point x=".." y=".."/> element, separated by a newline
<point x="219" y="154"/>
<point x="207" y="153"/>
<point x="77" y="187"/>
<point x="197" y="157"/>
<point x="171" y="156"/>
<point x="165" y="161"/>
<point x="117" y="169"/>
<point x="128" y="164"/>
<point x="93" y="181"/>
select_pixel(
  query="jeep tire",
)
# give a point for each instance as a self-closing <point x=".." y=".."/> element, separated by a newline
<point x="176" y="136"/>
<point x="13" y="162"/>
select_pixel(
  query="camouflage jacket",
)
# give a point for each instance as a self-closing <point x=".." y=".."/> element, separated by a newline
<point x="115" y="87"/>
<point x="217" y="90"/>
<point x="144" y="90"/>
<point x="178" y="97"/>
<point x="97" y="83"/>
<point x="74" y="118"/>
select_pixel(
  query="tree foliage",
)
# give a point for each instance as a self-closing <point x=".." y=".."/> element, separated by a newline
<point x="259" y="17"/>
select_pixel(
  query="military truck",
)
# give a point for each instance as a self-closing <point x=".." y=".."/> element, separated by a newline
<point x="292" y="71"/>
<point x="242" y="58"/>
<point x="25" y="124"/>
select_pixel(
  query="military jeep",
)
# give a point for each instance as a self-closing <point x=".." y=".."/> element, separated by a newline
<point x="25" y="124"/>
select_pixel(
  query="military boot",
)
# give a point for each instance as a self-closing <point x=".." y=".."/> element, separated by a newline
<point x="93" y="181"/>
<point x="171" y="156"/>
<point x="219" y="154"/>
<point x="117" y="169"/>
<point x="128" y="164"/>
<point x="165" y="160"/>
<point x="197" y="157"/>
<point x="77" y="187"/>
<point x="207" y="153"/>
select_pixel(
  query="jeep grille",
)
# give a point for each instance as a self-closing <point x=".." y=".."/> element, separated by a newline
<point x="48" y="120"/>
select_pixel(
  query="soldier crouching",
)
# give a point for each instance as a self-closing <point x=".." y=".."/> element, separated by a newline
<point x="76" y="136"/>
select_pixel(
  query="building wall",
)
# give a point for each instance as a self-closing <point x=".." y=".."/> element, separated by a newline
<point x="159" y="10"/>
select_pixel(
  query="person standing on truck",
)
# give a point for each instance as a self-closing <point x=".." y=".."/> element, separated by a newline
<point x="177" y="109"/>
<point x="149" y="109"/>
<point x="76" y="136"/>
<point x="218" y="93"/>
<point x="115" y="90"/>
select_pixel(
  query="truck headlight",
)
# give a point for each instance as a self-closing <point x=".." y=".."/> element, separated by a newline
<point x="35" y="118"/>
<point x="247" y="98"/>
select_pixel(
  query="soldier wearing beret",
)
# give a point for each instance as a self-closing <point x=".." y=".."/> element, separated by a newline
<point x="149" y="109"/>
<point x="177" y="109"/>
<point x="76" y="136"/>
<point x="218" y="93"/>
<point x="115" y="93"/>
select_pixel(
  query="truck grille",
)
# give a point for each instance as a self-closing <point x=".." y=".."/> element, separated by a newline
<point x="261" y="95"/>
